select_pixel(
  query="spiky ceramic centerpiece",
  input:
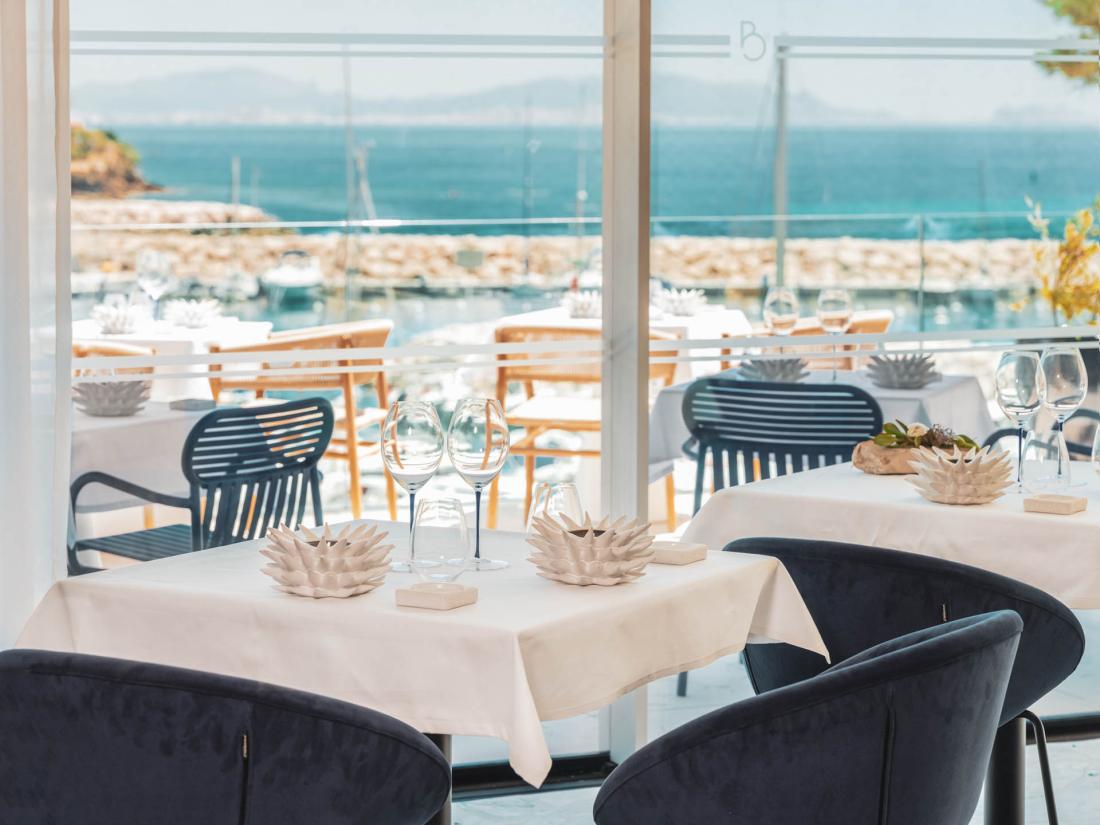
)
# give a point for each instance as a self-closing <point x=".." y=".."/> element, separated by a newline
<point x="902" y="372"/>
<point x="112" y="398"/>
<point x="606" y="553"/>
<point x="977" y="476"/>
<point x="117" y="319"/>
<point x="353" y="562"/>
<point x="193" y="314"/>
<point x="787" y="370"/>
<point x="682" y="302"/>
<point x="583" y="303"/>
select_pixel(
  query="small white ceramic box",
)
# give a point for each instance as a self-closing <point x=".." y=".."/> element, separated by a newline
<point x="436" y="596"/>
<point x="1055" y="504"/>
<point x="678" y="552"/>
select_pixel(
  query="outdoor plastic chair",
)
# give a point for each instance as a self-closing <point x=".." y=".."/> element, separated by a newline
<point x="249" y="468"/>
<point x="860" y="596"/>
<point x="900" y="733"/>
<point x="97" y="741"/>
<point x="746" y="425"/>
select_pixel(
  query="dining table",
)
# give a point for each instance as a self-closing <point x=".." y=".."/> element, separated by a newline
<point x="529" y="650"/>
<point x="955" y="401"/>
<point x="166" y="338"/>
<point x="1055" y="553"/>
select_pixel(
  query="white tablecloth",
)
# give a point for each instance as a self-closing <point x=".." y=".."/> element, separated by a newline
<point x="168" y="339"/>
<point x="711" y="322"/>
<point x="955" y="401"/>
<point x="1058" y="554"/>
<point x="144" y="449"/>
<point x="529" y="650"/>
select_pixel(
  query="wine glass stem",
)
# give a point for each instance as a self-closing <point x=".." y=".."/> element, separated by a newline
<point x="1020" y="457"/>
<point x="412" y="509"/>
<point x="1062" y="451"/>
<point x="477" y="522"/>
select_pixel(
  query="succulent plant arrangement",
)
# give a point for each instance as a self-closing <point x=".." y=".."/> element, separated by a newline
<point x="898" y="434"/>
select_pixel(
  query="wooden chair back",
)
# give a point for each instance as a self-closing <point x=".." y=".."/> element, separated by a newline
<point x="99" y="349"/>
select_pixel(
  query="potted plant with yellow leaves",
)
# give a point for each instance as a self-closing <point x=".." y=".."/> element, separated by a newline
<point x="891" y="451"/>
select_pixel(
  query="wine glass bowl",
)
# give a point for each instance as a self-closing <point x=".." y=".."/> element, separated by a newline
<point x="439" y="549"/>
<point x="477" y="444"/>
<point x="781" y="310"/>
<point x="1066" y="384"/>
<point x="412" y="446"/>
<point x="555" y="501"/>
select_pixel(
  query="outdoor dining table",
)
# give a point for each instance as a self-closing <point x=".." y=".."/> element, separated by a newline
<point x="709" y="323"/>
<point x="530" y="650"/>
<point x="953" y="400"/>
<point x="169" y="339"/>
<point x="1057" y="554"/>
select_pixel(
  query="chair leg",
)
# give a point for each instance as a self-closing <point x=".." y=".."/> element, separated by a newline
<point x="670" y="502"/>
<point x="494" y="502"/>
<point x="1044" y="763"/>
<point x="529" y="483"/>
<point x="355" y="486"/>
<point x="682" y="684"/>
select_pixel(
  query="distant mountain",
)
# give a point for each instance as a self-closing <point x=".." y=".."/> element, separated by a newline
<point x="1040" y="116"/>
<point x="255" y="96"/>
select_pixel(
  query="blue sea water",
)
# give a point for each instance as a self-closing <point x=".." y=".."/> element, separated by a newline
<point x="298" y="173"/>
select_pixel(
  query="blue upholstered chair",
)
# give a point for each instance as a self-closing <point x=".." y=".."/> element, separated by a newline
<point x="900" y="733"/>
<point x="96" y="741"/>
<point x="861" y="596"/>
<point x="247" y="468"/>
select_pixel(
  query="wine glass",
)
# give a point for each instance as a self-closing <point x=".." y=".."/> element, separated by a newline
<point x="834" y="311"/>
<point x="153" y="277"/>
<point x="477" y="444"/>
<point x="555" y="501"/>
<point x="1020" y="387"/>
<point x="439" y="550"/>
<point x="412" y="447"/>
<point x="1067" y="384"/>
<point x="781" y="311"/>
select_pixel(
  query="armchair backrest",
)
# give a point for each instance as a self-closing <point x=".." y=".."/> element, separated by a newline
<point x="105" y="741"/>
<point x="901" y="735"/>
<point x="251" y="468"/>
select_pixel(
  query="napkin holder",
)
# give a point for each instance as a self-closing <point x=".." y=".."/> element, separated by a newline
<point x="678" y="552"/>
<point x="1055" y="504"/>
<point x="435" y="595"/>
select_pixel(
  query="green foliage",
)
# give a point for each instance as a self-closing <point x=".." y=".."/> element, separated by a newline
<point x="1085" y="15"/>
<point x="899" y="435"/>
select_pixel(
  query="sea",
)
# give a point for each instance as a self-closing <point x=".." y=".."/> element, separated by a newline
<point x="949" y="183"/>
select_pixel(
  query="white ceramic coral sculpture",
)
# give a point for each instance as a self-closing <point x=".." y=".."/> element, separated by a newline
<point x="902" y="372"/>
<point x="118" y="318"/>
<point x="583" y="303"/>
<point x="977" y="476"/>
<point x="786" y="370"/>
<point x="606" y="553"/>
<point x="353" y="562"/>
<point x="681" y="302"/>
<point x="112" y="398"/>
<point x="193" y="314"/>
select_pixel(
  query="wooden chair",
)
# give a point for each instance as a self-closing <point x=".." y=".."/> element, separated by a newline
<point x="248" y="469"/>
<point x="864" y="322"/>
<point x="346" y="444"/>
<point x="99" y="349"/>
<point x="541" y="413"/>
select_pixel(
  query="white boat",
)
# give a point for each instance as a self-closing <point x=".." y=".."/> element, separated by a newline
<point x="297" y="279"/>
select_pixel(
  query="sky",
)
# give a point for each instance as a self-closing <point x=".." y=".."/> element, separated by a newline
<point x="932" y="91"/>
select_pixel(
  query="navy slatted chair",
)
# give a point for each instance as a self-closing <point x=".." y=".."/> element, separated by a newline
<point x="745" y="423"/>
<point x="898" y="734"/>
<point x="1075" y="448"/>
<point x="861" y="596"/>
<point x="248" y="468"/>
<point x="97" y="741"/>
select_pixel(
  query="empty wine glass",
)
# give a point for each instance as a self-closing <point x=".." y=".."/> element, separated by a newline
<point x="439" y="550"/>
<point x="1067" y="384"/>
<point x="554" y="501"/>
<point x="1020" y="386"/>
<point x="781" y="310"/>
<point x="412" y="447"/>
<point x="834" y="311"/>
<point x="477" y="444"/>
<point x="153" y="276"/>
